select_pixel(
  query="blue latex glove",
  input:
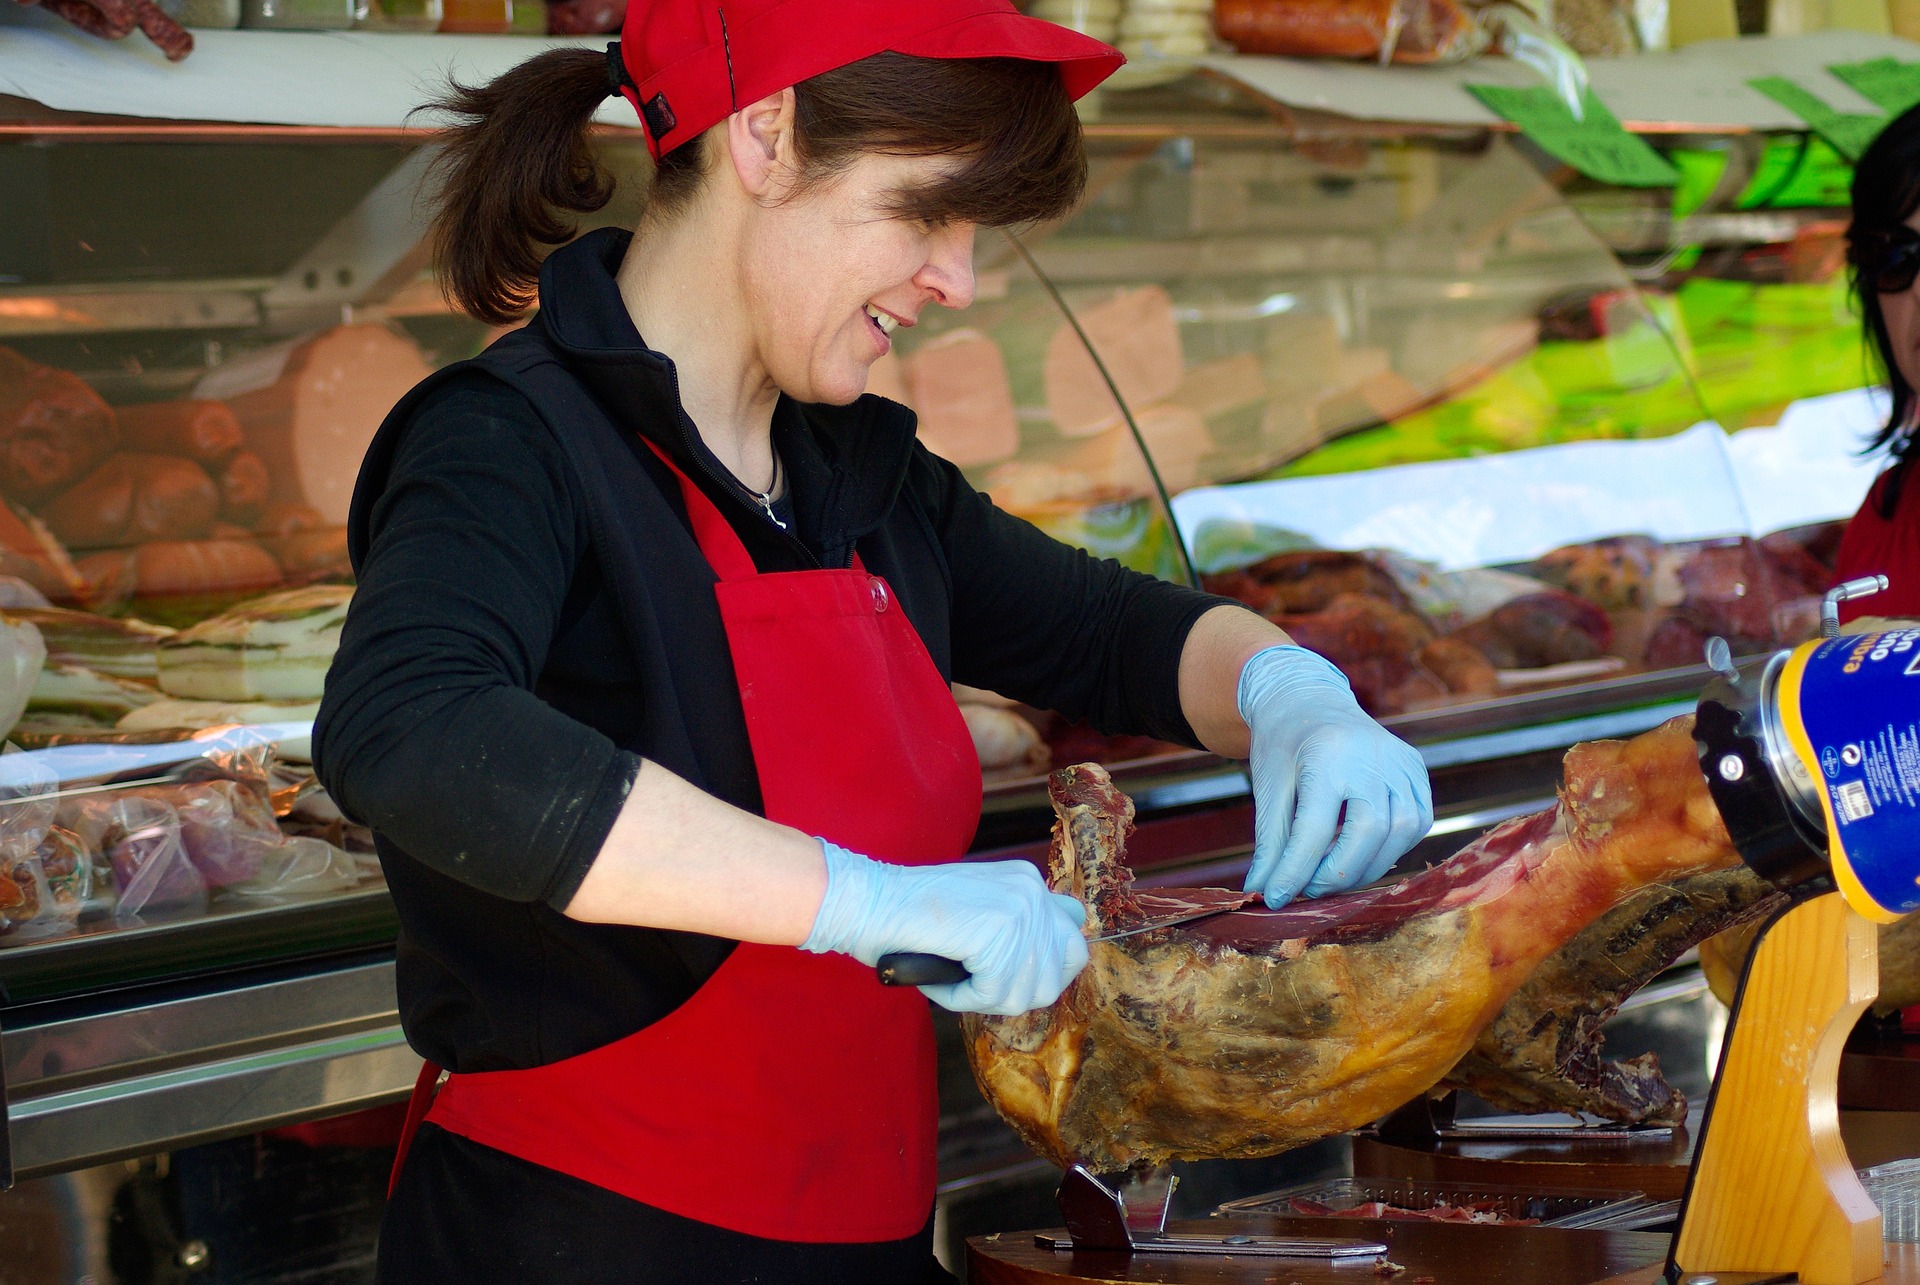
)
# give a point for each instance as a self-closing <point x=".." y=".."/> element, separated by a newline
<point x="1315" y="751"/>
<point x="1021" y="942"/>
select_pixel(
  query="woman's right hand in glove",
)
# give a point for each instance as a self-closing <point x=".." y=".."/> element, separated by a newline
<point x="1021" y="942"/>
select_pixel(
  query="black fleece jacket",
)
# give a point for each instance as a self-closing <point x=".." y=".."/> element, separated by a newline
<point x="533" y="618"/>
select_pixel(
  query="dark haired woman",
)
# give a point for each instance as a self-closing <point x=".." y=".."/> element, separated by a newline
<point x="645" y="687"/>
<point x="1883" y="245"/>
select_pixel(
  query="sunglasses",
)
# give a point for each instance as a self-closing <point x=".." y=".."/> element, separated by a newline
<point x="1889" y="260"/>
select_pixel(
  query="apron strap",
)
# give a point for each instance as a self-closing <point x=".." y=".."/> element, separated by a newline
<point x="417" y="1105"/>
<point x="717" y="539"/>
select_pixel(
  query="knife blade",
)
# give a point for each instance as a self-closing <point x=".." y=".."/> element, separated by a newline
<point x="914" y="968"/>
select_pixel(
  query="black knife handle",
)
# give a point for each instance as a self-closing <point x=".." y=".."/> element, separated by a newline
<point x="907" y="968"/>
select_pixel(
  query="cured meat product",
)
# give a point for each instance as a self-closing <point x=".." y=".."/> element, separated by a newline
<point x="200" y="428"/>
<point x="1622" y="573"/>
<point x="1254" y="1031"/>
<point x="180" y="581"/>
<point x="309" y="412"/>
<point x="54" y="430"/>
<point x="244" y="488"/>
<point x="1539" y="629"/>
<point x="135" y="497"/>
<point x="312" y="555"/>
<point x="1307" y="580"/>
<point x="274" y="648"/>
<point x="1414" y="31"/>
<point x="1377" y="646"/>
<point x="1139" y="344"/>
<point x="104" y="644"/>
<point x="30" y="552"/>
<point x="958" y="385"/>
<point x="1722" y="958"/>
<point x="74" y="698"/>
<point x="1543" y="1051"/>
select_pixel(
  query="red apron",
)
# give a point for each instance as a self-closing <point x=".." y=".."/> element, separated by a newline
<point x="793" y="1096"/>
<point x="1886" y="546"/>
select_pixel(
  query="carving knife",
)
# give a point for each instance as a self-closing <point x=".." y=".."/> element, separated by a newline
<point x="911" y="968"/>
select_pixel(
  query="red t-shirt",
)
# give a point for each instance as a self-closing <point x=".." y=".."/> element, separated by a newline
<point x="1889" y="546"/>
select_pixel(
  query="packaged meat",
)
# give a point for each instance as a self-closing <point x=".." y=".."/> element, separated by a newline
<point x="1253" y="1031"/>
<point x="959" y="389"/>
<point x="301" y="866"/>
<point x="309" y="411"/>
<point x="151" y="869"/>
<point x="273" y="648"/>
<point x="116" y="646"/>
<point x="134" y="497"/>
<point x="1139" y="344"/>
<point x="1408" y="31"/>
<point x="226" y="827"/>
<point x="21" y="654"/>
<point x="54" y="429"/>
<point x="200" y="428"/>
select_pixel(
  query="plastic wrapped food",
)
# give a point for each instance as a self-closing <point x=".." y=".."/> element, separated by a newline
<point x="151" y="869"/>
<point x="226" y="828"/>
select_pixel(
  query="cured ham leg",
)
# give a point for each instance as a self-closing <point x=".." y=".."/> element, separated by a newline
<point x="1542" y="1051"/>
<point x="1256" y="1031"/>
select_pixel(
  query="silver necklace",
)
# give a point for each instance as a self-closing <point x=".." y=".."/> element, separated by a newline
<point x="765" y="498"/>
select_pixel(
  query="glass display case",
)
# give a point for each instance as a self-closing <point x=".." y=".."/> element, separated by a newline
<point x="1439" y="409"/>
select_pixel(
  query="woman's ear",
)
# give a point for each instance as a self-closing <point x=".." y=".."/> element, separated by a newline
<point x="760" y="139"/>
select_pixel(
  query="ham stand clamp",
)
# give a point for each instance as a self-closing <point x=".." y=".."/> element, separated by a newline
<point x="1098" y="1219"/>
<point x="1815" y="770"/>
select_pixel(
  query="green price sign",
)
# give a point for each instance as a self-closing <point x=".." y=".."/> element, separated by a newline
<point x="1887" y="83"/>
<point x="1849" y="133"/>
<point x="1596" y="144"/>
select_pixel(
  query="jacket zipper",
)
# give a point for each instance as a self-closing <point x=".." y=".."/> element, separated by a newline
<point x="733" y="485"/>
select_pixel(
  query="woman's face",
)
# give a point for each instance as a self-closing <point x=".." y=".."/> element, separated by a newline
<point x="831" y="273"/>
<point x="1900" y="309"/>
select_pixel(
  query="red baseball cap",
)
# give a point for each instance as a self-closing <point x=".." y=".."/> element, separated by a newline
<point x="693" y="63"/>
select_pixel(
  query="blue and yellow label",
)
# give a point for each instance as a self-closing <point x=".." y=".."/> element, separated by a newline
<point x="1851" y="711"/>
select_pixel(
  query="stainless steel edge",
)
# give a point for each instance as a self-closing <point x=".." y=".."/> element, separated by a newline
<point x="154" y="1074"/>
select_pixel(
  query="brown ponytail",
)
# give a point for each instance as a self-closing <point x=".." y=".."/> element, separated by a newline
<point x="518" y="162"/>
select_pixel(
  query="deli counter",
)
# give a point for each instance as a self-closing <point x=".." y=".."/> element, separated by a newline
<point x="1452" y="415"/>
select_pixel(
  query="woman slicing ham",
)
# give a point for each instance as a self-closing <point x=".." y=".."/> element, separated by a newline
<point x="645" y="685"/>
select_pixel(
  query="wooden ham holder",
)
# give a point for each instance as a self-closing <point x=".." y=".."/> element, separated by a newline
<point x="1772" y="1190"/>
